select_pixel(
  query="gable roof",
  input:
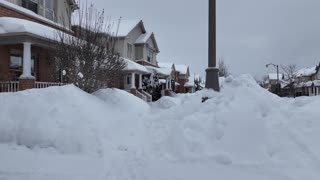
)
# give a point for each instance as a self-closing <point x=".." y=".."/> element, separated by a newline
<point x="124" y="27"/>
<point x="167" y="65"/>
<point x="145" y="37"/>
<point x="183" y="69"/>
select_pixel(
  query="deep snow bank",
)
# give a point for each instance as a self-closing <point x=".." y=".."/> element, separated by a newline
<point x="63" y="118"/>
<point x="243" y="132"/>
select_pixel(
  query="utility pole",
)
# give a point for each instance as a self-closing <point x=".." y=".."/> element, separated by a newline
<point x="212" y="78"/>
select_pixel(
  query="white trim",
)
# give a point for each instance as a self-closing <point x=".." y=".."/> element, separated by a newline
<point x="26" y="73"/>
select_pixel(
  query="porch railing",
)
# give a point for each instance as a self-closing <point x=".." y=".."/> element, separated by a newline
<point x="9" y="86"/>
<point x="40" y="85"/>
<point x="149" y="97"/>
<point x="141" y="96"/>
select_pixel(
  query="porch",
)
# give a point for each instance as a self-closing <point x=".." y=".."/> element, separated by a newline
<point x="133" y="81"/>
<point x="14" y="86"/>
<point x="26" y="57"/>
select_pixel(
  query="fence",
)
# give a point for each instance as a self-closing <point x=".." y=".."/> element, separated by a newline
<point x="9" y="86"/>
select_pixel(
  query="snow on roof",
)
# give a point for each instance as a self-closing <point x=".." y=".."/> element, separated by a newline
<point x="133" y="66"/>
<point x="30" y="13"/>
<point x="125" y="27"/>
<point x="306" y="71"/>
<point x="275" y="76"/>
<point x="166" y="65"/>
<point x="182" y="69"/>
<point x="161" y="71"/>
<point x="143" y="38"/>
<point x="15" y="25"/>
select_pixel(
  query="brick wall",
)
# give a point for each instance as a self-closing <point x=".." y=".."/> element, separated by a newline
<point x="5" y="74"/>
<point x="181" y="88"/>
<point x="45" y="66"/>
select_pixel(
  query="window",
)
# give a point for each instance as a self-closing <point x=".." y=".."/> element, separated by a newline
<point x="150" y="55"/>
<point x="30" y="4"/>
<point x="129" y="50"/>
<point x="46" y="9"/>
<point x="128" y="80"/>
<point x="15" y="62"/>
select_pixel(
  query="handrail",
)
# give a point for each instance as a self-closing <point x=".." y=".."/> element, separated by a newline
<point x="149" y="96"/>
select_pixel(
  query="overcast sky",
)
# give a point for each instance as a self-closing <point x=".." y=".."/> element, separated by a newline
<point x="251" y="33"/>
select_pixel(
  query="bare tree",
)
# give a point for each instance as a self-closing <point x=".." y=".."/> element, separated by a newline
<point x="290" y="72"/>
<point x="223" y="68"/>
<point x="88" y="59"/>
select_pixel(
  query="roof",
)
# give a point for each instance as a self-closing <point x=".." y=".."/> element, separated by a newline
<point x="161" y="71"/>
<point x="183" y="69"/>
<point x="166" y="65"/>
<point x="9" y="25"/>
<point x="123" y="28"/>
<point x="29" y="13"/>
<point x="307" y="71"/>
<point x="143" y="38"/>
<point x="275" y="76"/>
<point x="133" y="66"/>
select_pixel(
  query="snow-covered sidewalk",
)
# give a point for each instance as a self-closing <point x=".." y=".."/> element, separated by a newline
<point x="244" y="132"/>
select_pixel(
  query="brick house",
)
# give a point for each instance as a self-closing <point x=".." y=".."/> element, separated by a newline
<point x="183" y="78"/>
<point x="26" y="29"/>
<point x="307" y="82"/>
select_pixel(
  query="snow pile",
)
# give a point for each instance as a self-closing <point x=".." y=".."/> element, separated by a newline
<point x="121" y="99"/>
<point x="243" y="132"/>
<point x="63" y="118"/>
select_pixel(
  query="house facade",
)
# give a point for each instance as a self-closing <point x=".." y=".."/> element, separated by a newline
<point x="139" y="49"/>
<point x="26" y="29"/>
<point x="307" y="82"/>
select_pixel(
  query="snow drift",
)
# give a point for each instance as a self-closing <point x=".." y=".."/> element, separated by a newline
<point x="243" y="132"/>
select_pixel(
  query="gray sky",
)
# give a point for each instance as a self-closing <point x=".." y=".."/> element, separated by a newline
<point x="251" y="33"/>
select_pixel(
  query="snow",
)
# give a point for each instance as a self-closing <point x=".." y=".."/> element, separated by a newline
<point x="30" y="13"/>
<point x="10" y="25"/>
<point x="80" y="75"/>
<point x="161" y="71"/>
<point x="133" y="66"/>
<point x="306" y="71"/>
<point x="182" y="69"/>
<point x="143" y="38"/>
<point x="125" y="27"/>
<point x="239" y="133"/>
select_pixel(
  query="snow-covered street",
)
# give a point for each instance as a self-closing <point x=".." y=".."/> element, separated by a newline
<point x="243" y="132"/>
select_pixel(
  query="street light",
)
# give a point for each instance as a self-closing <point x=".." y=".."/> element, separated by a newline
<point x="212" y="79"/>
